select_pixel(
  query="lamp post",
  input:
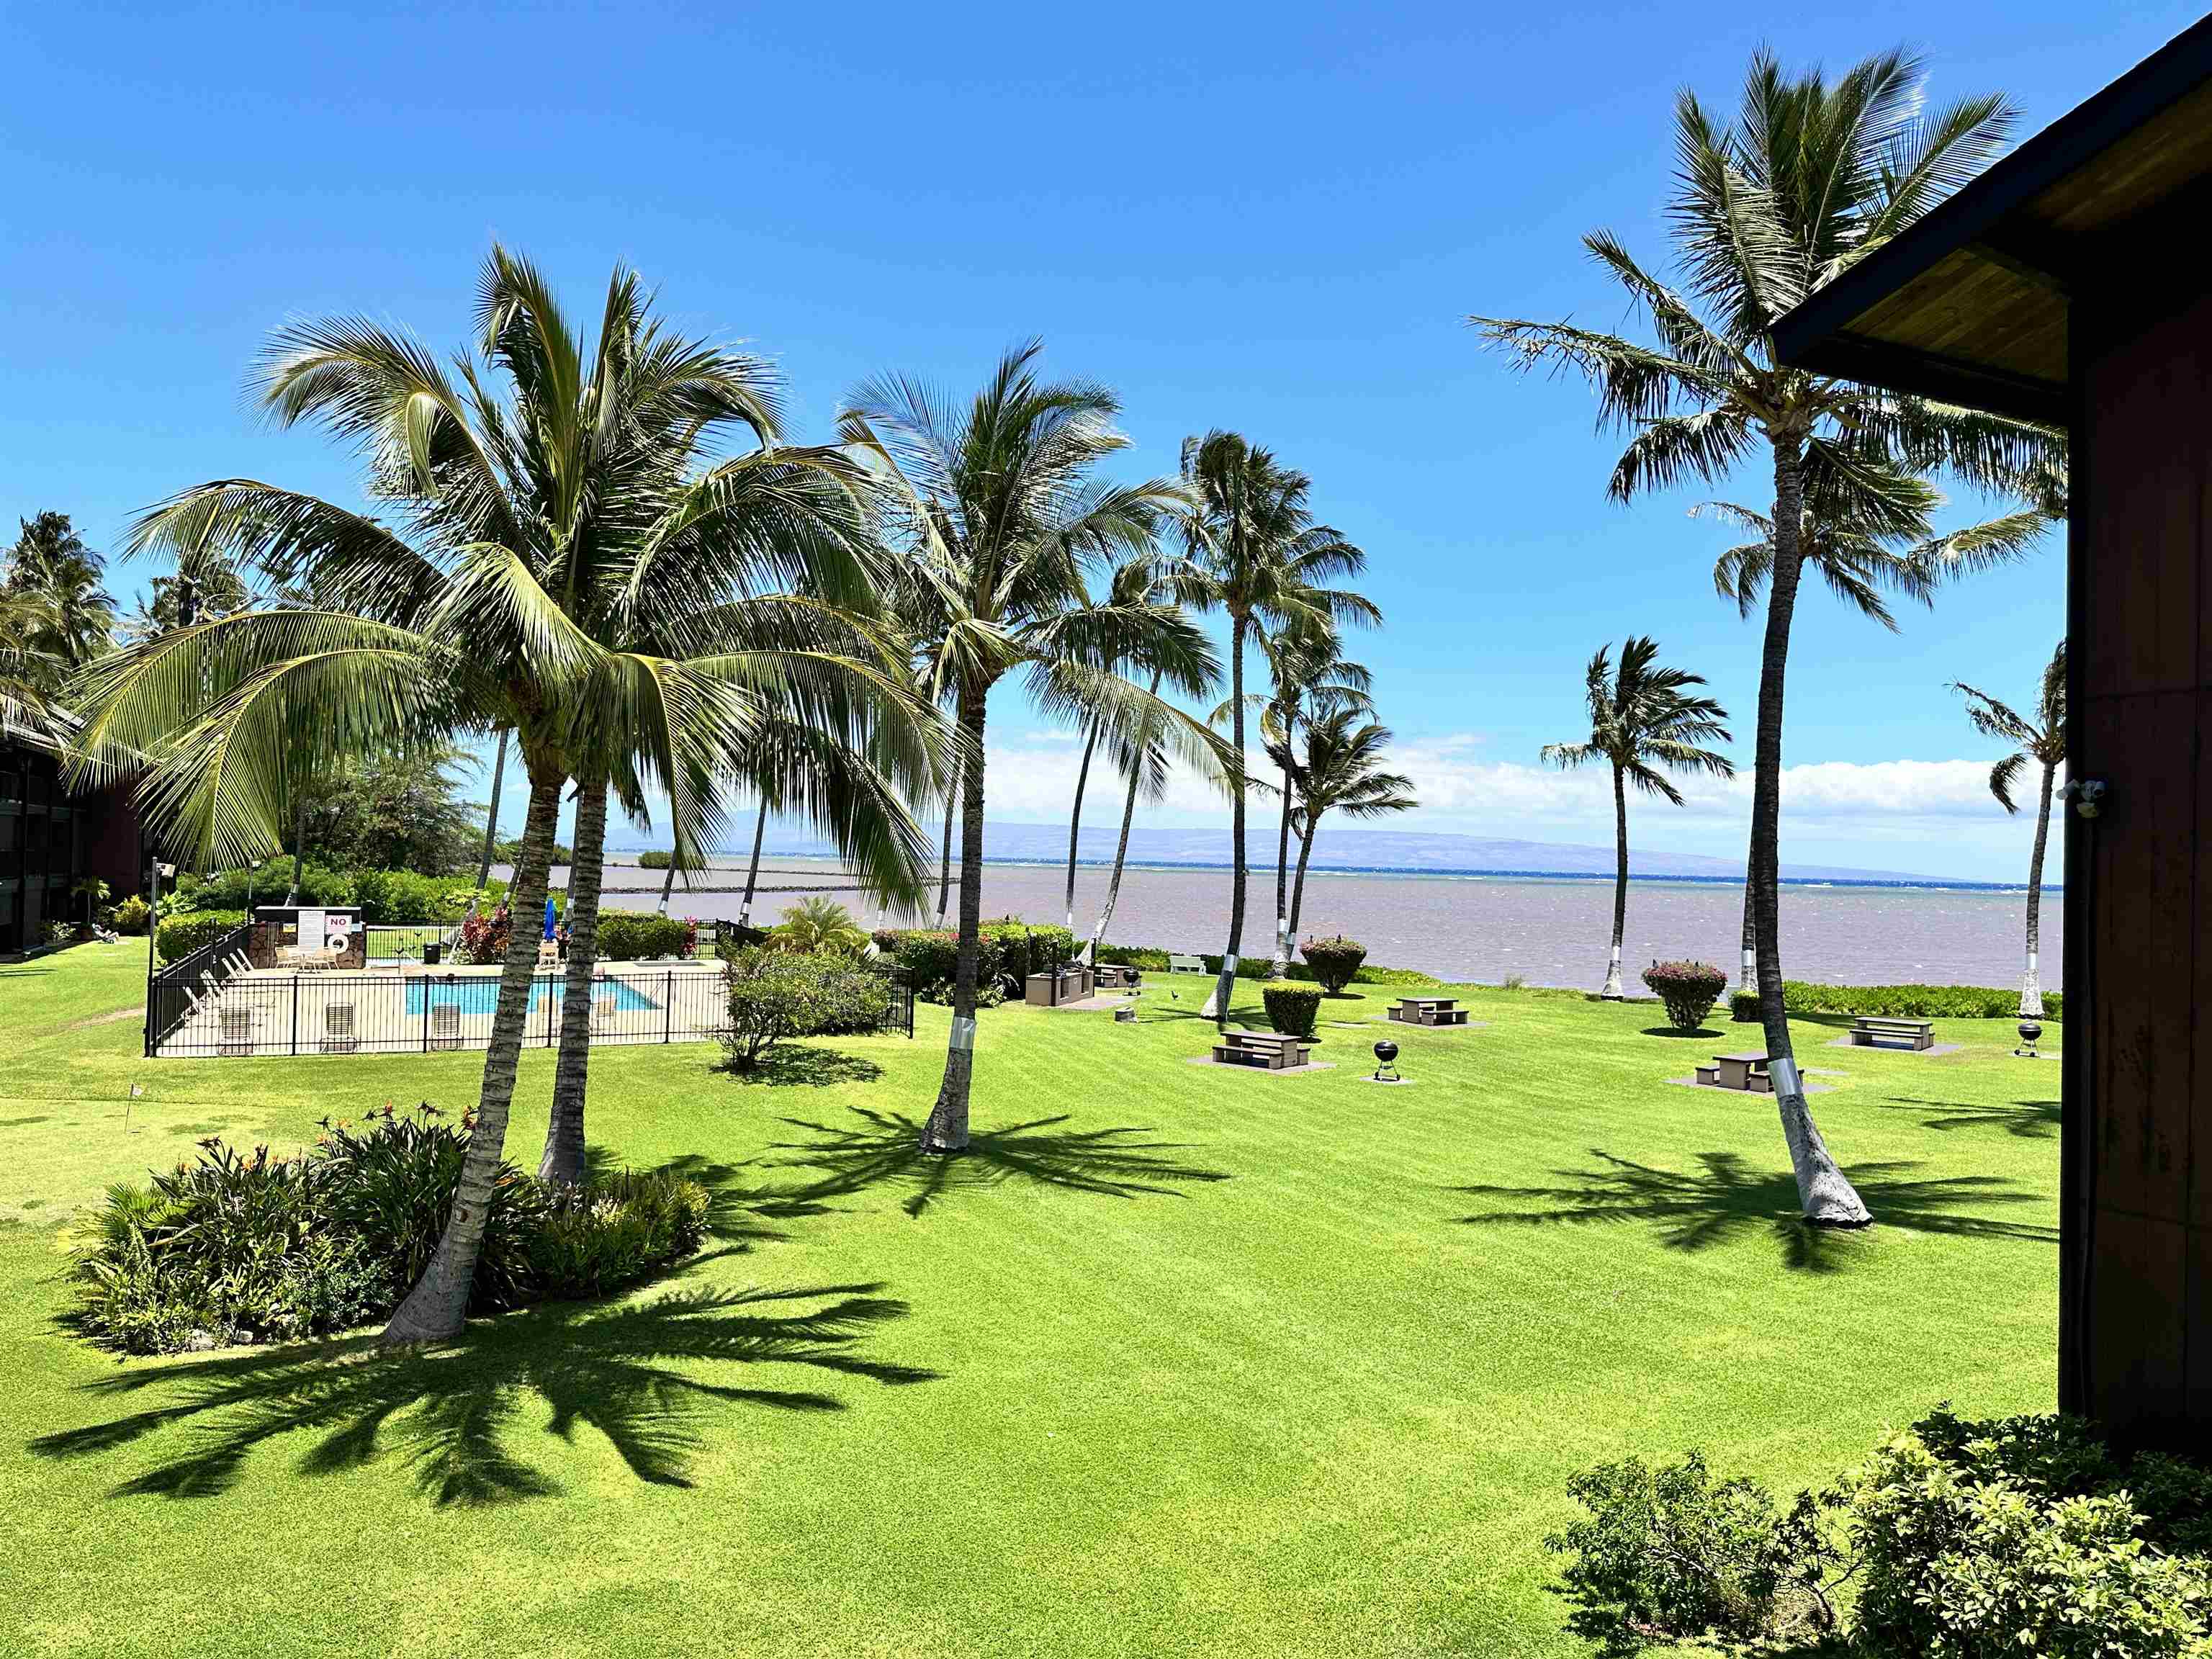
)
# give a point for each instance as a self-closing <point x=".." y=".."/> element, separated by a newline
<point x="252" y="874"/>
<point x="153" y="927"/>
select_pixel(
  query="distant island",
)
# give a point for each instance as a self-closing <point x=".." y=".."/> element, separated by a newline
<point x="1384" y="852"/>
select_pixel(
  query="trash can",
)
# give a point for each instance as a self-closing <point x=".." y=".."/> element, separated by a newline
<point x="431" y="953"/>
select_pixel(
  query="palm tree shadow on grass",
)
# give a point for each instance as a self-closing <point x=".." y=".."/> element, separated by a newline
<point x="2027" y="1120"/>
<point x="654" y="1376"/>
<point x="1724" y="1199"/>
<point x="880" y="1150"/>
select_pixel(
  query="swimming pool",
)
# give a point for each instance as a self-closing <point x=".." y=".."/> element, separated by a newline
<point x="481" y="996"/>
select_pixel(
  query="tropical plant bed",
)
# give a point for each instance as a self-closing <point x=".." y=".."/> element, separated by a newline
<point x="1309" y="1361"/>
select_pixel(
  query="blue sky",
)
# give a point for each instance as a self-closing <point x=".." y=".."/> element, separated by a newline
<point x="1269" y="218"/>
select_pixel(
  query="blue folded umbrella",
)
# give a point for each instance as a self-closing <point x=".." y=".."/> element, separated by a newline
<point x="548" y="918"/>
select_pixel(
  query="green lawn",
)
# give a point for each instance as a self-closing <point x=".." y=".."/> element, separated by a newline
<point x="1176" y="1361"/>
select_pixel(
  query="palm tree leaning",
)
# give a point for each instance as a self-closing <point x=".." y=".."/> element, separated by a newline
<point x="1643" y="723"/>
<point x="1340" y="770"/>
<point x="1253" y="551"/>
<point x="1000" y="503"/>
<point x="2040" y="742"/>
<point x="1312" y="678"/>
<point x="1766" y="208"/>
<point x="458" y="623"/>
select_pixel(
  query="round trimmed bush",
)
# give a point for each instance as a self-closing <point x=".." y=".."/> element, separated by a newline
<point x="1688" y="988"/>
<point x="1743" y="1007"/>
<point x="1293" y="1009"/>
<point x="1334" y="961"/>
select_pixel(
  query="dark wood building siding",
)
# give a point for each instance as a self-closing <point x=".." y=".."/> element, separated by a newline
<point x="49" y="838"/>
<point x="2137" y="1319"/>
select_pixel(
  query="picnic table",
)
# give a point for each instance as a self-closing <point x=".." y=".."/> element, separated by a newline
<point x="1273" y="1051"/>
<point x="1113" y="977"/>
<point x="1872" y="1031"/>
<point x="1747" y="1072"/>
<point x="1428" y="1011"/>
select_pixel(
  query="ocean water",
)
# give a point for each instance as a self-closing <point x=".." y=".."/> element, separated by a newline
<point x="1549" y="931"/>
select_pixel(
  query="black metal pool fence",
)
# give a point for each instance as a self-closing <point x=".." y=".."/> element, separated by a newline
<point x="211" y="1003"/>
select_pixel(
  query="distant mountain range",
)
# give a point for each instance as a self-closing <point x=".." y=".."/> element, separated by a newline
<point x="1384" y="850"/>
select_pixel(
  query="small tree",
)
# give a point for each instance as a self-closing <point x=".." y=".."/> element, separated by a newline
<point x="1688" y="988"/>
<point x="776" y="994"/>
<point x="1335" y="962"/>
<point x="1291" y="1009"/>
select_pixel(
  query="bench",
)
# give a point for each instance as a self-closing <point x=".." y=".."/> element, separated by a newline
<point x="1186" y="964"/>
<point x="1866" y="1029"/>
<point x="1428" y="1011"/>
<point x="1273" y="1051"/>
<point x="1745" y="1072"/>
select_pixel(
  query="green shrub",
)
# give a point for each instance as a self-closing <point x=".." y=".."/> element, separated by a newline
<point x="776" y="994"/>
<point x="1969" y="1539"/>
<point x="1333" y="961"/>
<point x="1291" y="1009"/>
<point x="388" y="896"/>
<point x="129" y="917"/>
<point x="1668" y="1554"/>
<point x="1743" y="1006"/>
<point x="615" y="1232"/>
<point x="655" y="857"/>
<point x="179" y="936"/>
<point x="1983" y="1540"/>
<point x="639" y="935"/>
<point x="1688" y="988"/>
<point x="1802" y="998"/>
<point x="239" y="1249"/>
<point x="383" y="897"/>
<point x="931" y="957"/>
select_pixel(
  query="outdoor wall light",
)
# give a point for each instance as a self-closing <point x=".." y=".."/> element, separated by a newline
<point x="2089" y="795"/>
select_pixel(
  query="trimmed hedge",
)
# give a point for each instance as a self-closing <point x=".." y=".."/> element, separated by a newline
<point x="1903" y="1002"/>
<point x="658" y="858"/>
<point x="179" y="936"/>
<point x="638" y="935"/>
<point x="383" y="896"/>
<point x="1152" y="960"/>
<point x="1334" y="961"/>
<point x="1293" y="1009"/>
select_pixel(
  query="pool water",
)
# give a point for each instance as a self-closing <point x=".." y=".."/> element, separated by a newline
<point x="481" y="996"/>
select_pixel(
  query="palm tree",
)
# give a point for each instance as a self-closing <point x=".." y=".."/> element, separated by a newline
<point x="1311" y="678"/>
<point x="1004" y="514"/>
<point x="2042" y="742"/>
<point x="1766" y="208"/>
<point x="29" y="674"/>
<point x="1135" y="582"/>
<point x="536" y="522"/>
<point x="65" y="615"/>
<point x="1340" y="770"/>
<point x="820" y="924"/>
<point x="1642" y="724"/>
<point x="1256" y="552"/>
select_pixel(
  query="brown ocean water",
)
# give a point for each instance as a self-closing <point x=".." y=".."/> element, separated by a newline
<point x="1551" y="931"/>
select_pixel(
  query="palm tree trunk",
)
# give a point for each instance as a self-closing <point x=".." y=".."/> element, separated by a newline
<point x="299" y="846"/>
<point x="1298" y="892"/>
<point x="1217" y="1008"/>
<point x="1122" y="848"/>
<point x="435" y="1308"/>
<point x="945" y="860"/>
<point x="946" y="1131"/>
<point x="752" y="870"/>
<point x="1075" y="820"/>
<point x="1611" y="991"/>
<point x="563" y="1159"/>
<point x="491" y="817"/>
<point x="1827" y="1198"/>
<point x="1750" y="939"/>
<point x="1279" y="965"/>
<point x="2031" y="987"/>
<point x="668" y="882"/>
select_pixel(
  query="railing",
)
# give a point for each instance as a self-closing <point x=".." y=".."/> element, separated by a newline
<point x="367" y="1012"/>
<point x="408" y="941"/>
<point x="173" y="994"/>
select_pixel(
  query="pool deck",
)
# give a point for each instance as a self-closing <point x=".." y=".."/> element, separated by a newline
<point x="268" y="1013"/>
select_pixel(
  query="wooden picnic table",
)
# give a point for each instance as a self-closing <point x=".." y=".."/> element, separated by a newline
<point x="1866" y="1029"/>
<point x="1744" y="1070"/>
<point x="1274" y="1051"/>
<point x="1428" y="1011"/>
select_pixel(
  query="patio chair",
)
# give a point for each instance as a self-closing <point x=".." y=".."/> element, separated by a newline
<point x="237" y="1031"/>
<point x="338" y="1035"/>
